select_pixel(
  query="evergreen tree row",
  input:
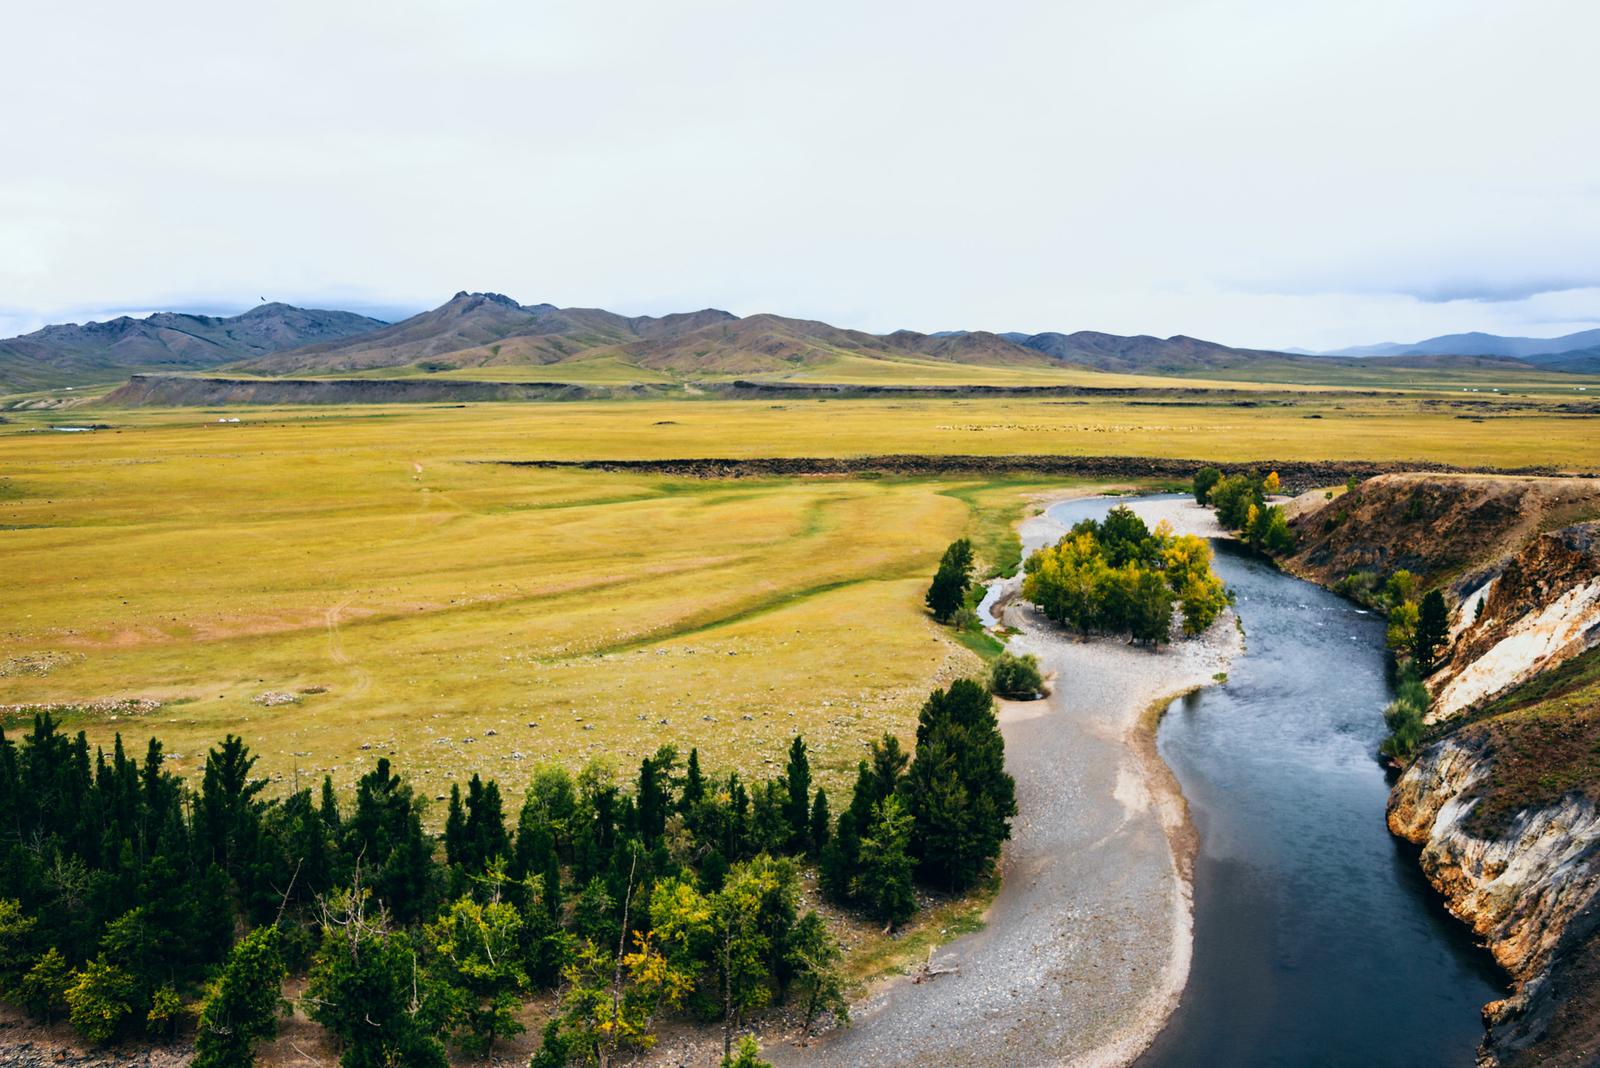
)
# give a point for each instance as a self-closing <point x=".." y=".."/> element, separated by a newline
<point x="129" y="899"/>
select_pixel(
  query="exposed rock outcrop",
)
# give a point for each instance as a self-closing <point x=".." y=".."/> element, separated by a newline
<point x="1518" y="889"/>
<point x="1541" y="609"/>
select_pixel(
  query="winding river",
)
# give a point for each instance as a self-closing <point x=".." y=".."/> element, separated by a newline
<point x="1317" y="939"/>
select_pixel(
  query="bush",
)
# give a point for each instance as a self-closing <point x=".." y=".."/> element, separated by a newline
<point x="1267" y="529"/>
<point x="99" y="1000"/>
<point x="1015" y="676"/>
<point x="1404" y="717"/>
<point x="43" y="990"/>
<point x="747" y="1054"/>
<point x="1204" y="480"/>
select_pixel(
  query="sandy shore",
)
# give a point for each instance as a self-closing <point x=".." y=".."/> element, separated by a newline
<point x="1086" y="948"/>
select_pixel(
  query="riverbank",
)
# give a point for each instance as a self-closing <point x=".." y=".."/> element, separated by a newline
<point x="1086" y="947"/>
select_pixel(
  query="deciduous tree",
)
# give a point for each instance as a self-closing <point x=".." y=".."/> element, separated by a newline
<point x="240" y="1008"/>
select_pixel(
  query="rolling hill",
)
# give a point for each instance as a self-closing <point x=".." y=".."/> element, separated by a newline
<point x="492" y="336"/>
<point x="487" y="330"/>
<point x="73" y="353"/>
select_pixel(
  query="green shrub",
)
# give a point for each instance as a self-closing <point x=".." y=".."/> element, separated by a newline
<point x="1404" y="717"/>
<point x="1204" y="480"/>
<point x="1015" y="676"/>
<point x="43" y="990"/>
<point x="99" y="999"/>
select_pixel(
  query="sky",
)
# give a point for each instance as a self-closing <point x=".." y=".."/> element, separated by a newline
<point x="1271" y="173"/>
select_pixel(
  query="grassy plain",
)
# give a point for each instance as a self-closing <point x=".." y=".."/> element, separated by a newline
<point x="432" y="599"/>
<point x="436" y="600"/>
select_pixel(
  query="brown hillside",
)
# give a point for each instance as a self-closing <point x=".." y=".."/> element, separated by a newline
<point x="1438" y="527"/>
<point x="976" y="346"/>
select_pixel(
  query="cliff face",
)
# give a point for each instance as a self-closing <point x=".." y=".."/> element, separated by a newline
<point x="1518" y="888"/>
<point x="1504" y="796"/>
<point x="1541" y="608"/>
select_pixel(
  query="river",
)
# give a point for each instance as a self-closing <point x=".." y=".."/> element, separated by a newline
<point x="1317" y="939"/>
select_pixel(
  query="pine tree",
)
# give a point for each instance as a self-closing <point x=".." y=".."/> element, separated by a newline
<point x="385" y="831"/>
<point x="228" y="815"/>
<point x="694" y="785"/>
<point x="797" y="809"/>
<point x="1432" y="632"/>
<point x="652" y="795"/>
<point x="885" y="882"/>
<point x="455" y="829"/>
<point x="817" y="834"/>
<point x="484" y="832"/>
<point x="329" y="807"/>
<point x="958" y="791"/>
<point x="950" y="582"/>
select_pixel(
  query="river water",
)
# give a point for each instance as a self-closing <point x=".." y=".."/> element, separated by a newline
<point x="1317" y="939"/>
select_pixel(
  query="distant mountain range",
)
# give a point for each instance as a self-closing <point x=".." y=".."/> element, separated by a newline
<point x="97" y="352"/>
<point x="1580" y="351"/>
<point x="488" y="330"/>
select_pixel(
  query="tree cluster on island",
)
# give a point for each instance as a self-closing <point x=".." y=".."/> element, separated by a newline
<point x="1117" y="576"/>
<point x="129" y="899"/>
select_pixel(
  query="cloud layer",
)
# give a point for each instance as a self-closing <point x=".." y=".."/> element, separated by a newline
<point x="1260" y="172"/>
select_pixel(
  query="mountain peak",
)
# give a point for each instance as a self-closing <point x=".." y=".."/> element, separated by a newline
<point x="485" y="298"/>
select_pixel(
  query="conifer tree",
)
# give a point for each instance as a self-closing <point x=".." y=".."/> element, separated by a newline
<point x="797" y="809"/>
<point x="694" y="785"/>
<point x="814" y="956"/>
<point x="950" y="582"/>
<point x="1432" y="632"/>
<point x="817" y="834"/>
<point x="455" y="829"/>
<point x="885" y="879"/>
<point x="958" y="791"/>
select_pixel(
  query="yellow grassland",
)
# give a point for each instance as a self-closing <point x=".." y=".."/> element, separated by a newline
<point x="365" y="553"/>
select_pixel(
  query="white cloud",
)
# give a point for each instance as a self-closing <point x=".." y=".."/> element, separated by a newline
<point x="1258" y="171"/>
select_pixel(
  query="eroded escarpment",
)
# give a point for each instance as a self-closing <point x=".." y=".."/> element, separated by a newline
<point x="1537" y="610"/>
<point x="1503" y="797"/>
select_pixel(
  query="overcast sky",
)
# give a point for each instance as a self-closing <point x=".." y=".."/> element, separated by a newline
<point x="1268" y="173"/>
